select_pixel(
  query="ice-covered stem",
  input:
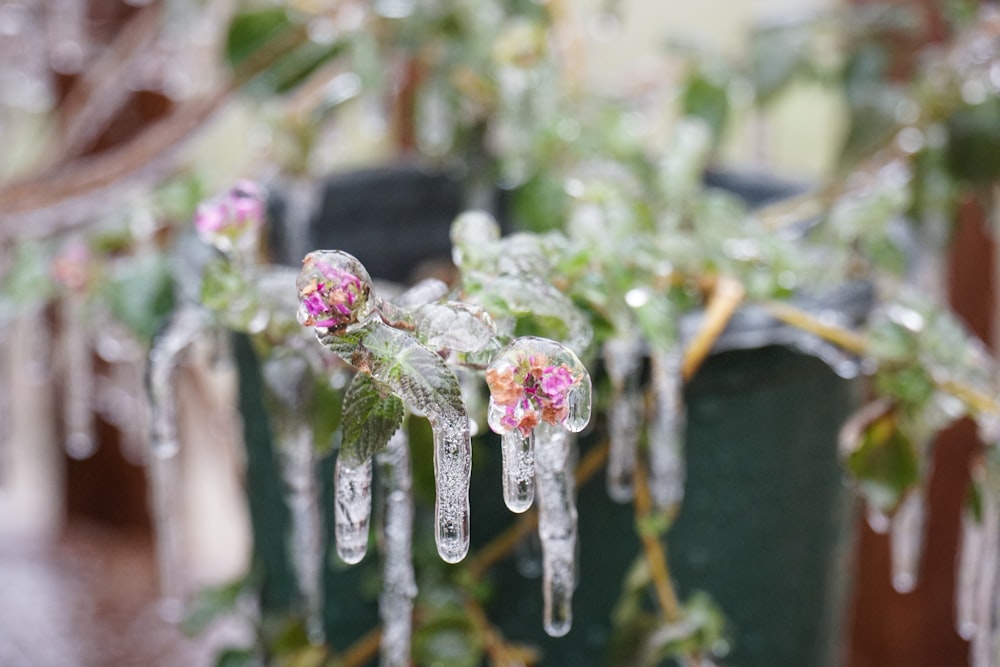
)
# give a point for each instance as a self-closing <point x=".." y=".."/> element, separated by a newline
<point x="623" y="361"/>
<point x="352" y="508"/>
<point x="335" y="298"/>
<point x="181" y="330"/>
<point x="399" y="587"/>
<point x="906" y="536"/>
<point x="667" y="468"/>
<point x="557" y="520"/>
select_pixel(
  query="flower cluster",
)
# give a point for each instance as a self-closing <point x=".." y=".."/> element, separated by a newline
<point x="530" y="390"/>
<point x="232" y="220"/>
<point x="329" y="296"/>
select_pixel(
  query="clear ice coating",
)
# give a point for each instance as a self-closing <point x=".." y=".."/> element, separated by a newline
<point x="452" y="472"/>
<point x="335" y="290"/>
<point x="518" y="461"/>
<point x="906" y="535"/>
<point x="298" y="471"/>
<point x="78" y="383"/>
<point x="667" y="468"/>
<point x="399" y="586"/>
<point x="977" y="589"/>
<point x="533" y="382"/>
<point x="184" y="327"/>
<point x="336" y="298"/>
<point x="623" y="361"/>
<point x="352" y="508"/>
<point x="556" y="526"/>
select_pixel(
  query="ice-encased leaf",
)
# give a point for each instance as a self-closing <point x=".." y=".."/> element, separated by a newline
<point x="411" y="371"/>
<point x="371" y="416"/>
<point x="428" y="387"/>
<point x="457" y="327"/>
<point x="551" y="310"/>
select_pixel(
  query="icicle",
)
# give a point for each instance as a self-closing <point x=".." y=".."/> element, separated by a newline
<point x="352" y="509"/>
<point x="289" y="381"/>
<point x="298" y="471"/>
<point x="452" y="472"/>
<point x="184" y="326"/>
<point x="399" y="586"/>
<point x="907" y="538"/>
<point x="667" y="469"/>
<point x="983" y="652"/>
<point x="623" y="359"/>
<point x="518" y="456"/>
<point x="556" y="526"/>
<point x="972" y="559"/>
<point x="78" y="382"/>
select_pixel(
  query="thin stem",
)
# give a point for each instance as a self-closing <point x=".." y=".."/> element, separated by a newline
<point x="849" y="340"/>
<point x="857" y="344"/>
<point x="363" y="650"/>
<point x="652" y="547"/>
<point x="501" y="652"/>
<point x="726" y="296"/>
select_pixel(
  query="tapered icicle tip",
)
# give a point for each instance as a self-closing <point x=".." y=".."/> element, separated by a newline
<point x="352" y="509"/>
<point x="335" y="290"/>
<point x="535" y="380"/>
<point x="518" y="460"/>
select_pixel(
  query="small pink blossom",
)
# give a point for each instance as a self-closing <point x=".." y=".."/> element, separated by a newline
<point x="233" y="219"/>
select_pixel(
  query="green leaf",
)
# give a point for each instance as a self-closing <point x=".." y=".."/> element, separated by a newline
<point x="251" y="31"/>
<point x="237" y="657"/>
<point x="141" y="294"/>
<point x="974" y="143"/>
<point x="371" y="417"/>
<point x="705" y="95"/>
<point x="776" y="55"/>
<point x="212" y="603"/>
<point x="411" y="371"/>
<point x="886" y="463"/>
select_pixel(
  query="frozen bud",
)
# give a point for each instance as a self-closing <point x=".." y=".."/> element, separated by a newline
<point x="536" y="380"/>
<point x="335" y="290"/>
<point x="232" y="221"/>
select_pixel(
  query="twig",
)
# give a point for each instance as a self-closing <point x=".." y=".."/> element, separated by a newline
<point x="726" y="296"/>
<point x="846" y="339"/>
<point x="501" y="652"/>
<point x="363" y="650"/>
<point x="656" y="557"/>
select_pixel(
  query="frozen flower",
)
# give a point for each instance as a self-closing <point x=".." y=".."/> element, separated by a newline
<point x="529" y="389"/>
<point x="332" y="294"/>
<point x="232" y="220"/>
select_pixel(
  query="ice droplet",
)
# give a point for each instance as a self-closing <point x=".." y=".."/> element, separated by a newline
<point x="623" y="360"/>
<point x="184" y="326"/>
<point x="452" y="472"/>
<point x="518" y="457"/>
<point x="907" y="537"/>
<point x="667" y="467"/>
<point x="556" y="526"/>
<point x="352" y="509"/>
<point x="399" y="587"/>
